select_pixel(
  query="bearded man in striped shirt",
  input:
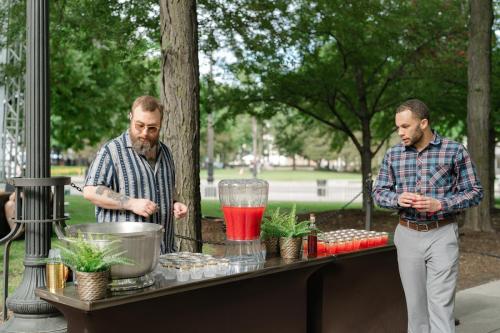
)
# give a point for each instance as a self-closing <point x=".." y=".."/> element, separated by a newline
<point x="428" y="179"/>
<point x="133" y="176"/>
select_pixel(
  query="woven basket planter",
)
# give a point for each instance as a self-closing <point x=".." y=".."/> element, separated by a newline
<point x="92" y="286"/>
<point x="290" y="247"/>
<point x="272" y="246"/>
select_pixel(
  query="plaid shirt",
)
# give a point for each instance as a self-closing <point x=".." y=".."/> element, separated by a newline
<point x="443" y="170"/>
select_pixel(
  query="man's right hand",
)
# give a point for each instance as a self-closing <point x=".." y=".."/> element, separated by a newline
<point x="405" y="199"/>
<point x="142" y="207"/>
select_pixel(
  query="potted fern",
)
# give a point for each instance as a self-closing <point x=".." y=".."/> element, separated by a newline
<point x="271" y="231"/>
<point x="290" y="233"/>
<point x="92" y="261"/>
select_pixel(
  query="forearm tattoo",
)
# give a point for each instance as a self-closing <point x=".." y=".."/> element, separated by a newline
<point x="100" y="190"/>
<point x="120" y="198"/>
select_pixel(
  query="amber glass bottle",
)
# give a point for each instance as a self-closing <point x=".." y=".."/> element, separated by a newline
<point x="312" y="239"/>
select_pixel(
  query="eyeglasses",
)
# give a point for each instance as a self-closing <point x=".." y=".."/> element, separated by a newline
<point x="149" y="129"/>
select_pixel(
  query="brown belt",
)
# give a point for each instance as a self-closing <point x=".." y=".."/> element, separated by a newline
<point x="425" y="226"/>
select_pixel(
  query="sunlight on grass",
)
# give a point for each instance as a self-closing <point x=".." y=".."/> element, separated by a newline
<point x="67" y="170"/>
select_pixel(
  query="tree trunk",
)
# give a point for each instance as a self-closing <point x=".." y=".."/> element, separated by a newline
<point x="180" y="95"/>
<point x="318" y="164"/>
<point x="479" y="107"/>
<point x="255" y="148"/>
<point x="294" y="165"/>
<point x="366" y="152"/>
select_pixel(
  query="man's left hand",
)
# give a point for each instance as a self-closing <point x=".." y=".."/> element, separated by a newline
<point x="180" y="210"/>
<point x="426" y="204"/>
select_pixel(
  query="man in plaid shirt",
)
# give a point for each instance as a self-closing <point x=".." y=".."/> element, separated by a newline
<point x="428" y="179"/>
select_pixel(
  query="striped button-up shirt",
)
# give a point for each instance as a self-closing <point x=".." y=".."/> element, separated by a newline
<point x="119" y="167"/>
<point x="443" y="170"/>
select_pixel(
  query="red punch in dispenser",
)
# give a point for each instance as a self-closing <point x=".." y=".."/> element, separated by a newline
<point x="243" y="202"/>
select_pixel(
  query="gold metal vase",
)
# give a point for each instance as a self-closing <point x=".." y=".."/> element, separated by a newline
<point x="290" y="247"/>
<point x="272" y="246"/>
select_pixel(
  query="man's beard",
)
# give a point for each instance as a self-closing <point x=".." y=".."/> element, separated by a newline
<point x="417" y="137"/>
<point x="147" y="147"/>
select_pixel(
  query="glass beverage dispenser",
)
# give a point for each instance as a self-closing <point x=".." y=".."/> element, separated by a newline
<point x="243" y="202"/>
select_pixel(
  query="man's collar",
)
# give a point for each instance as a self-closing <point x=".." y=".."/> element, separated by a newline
<point x="436" y="140"/>
<point x="128" y="141"/>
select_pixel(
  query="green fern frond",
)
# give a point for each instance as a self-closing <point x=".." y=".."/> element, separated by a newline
<point x="87" y="255"/>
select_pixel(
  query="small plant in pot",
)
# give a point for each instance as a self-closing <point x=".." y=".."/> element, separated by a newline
<point x="92" y="261"/>
<point x="271" y="231"/>
<point x="291" y="235"/>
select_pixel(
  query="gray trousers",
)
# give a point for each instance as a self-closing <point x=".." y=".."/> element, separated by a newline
<point x="428" y="266"/>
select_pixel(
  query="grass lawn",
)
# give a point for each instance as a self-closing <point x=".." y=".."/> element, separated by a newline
<point x="67" y="170"/>
<point x="212" y="207"/>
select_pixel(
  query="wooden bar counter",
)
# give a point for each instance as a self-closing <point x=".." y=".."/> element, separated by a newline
<point x="352" y="292"/>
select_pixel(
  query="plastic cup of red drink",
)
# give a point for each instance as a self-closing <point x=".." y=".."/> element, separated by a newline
<point x="385" y="238"/>
<point x="321" y="247"/>
<point x="341" y="245"/>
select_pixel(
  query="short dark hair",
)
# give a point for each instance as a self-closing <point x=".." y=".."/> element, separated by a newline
<point x="147" y="103"/>
<point x="417" y="107"/>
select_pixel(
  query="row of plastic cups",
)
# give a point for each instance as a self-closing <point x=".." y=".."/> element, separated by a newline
<point x="367" y="238"/>
<point x="342" y="242"/>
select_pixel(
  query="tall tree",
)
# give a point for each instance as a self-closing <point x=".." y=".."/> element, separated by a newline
<point x="289" y="134"/>
<point x="345" y="64"/>
<point x="479" y="107"/>
<point x="100" y="61"/>
<point x="180" y="95"/>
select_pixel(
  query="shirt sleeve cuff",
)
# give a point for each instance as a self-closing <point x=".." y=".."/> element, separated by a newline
<point x="445" y="206"/>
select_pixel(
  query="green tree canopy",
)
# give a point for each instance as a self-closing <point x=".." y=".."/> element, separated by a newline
<point x="103" y="54"/>
<point x="345" y="64"/>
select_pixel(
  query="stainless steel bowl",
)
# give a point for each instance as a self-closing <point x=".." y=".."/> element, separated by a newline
<point x="140" y="240"/>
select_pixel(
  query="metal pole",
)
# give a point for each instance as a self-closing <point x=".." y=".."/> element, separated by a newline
<point x="210" y="190"/>
<point x="4" y="6"/>
<point x="210" y="149"/>
<point x="369" y="203"/>
<point x="210" y="128"/>
<point x="32" y="314"/>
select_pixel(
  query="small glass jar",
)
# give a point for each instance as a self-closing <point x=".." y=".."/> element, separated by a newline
<point x="197" y="270"/>
<point x="183" y="272"/>
<point x="169" y="268"/>
<point x="211" y="268"/>
<point x="223" y="266"/>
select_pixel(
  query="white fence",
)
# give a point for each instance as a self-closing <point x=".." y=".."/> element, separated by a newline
<point x="332" y="191"/>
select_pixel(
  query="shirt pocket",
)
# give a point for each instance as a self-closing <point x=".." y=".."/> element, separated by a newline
<point x="440" y="176"/>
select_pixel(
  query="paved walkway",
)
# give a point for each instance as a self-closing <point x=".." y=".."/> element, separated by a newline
<point x="478" y="309"/>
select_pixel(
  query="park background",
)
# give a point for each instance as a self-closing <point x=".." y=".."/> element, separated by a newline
<point x="289" y="91"/>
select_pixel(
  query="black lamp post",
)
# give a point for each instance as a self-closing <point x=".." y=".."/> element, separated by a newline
<point x="31" y="314"/>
